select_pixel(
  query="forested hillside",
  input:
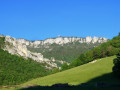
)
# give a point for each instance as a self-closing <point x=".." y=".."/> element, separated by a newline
<point x="16" y="70"/>
<point x="109" y="48"/>
<point x="53" y="51"/>
<point x="67" y="52"/>
<point x="100" y="66"/>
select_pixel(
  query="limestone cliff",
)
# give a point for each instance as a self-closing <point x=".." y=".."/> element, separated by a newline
<point x="20" y="47"/>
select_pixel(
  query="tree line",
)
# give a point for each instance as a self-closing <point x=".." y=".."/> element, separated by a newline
<point x="106" y="49"/>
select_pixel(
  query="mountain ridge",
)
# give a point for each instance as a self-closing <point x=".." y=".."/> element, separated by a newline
<point x="65" y="40"/>
<point x="22" y="47"/>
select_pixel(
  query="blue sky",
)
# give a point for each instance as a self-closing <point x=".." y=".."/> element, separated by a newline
<point x="41" y="19"/>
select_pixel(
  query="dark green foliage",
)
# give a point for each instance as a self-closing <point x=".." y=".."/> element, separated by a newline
<point x="16" y="70"/>
<point x="2" y="41"/>
<point x="116" y="42"/>
<point x="55" y="70"/>
<point x="64" y="66"/>
<point x="116" y="68"/>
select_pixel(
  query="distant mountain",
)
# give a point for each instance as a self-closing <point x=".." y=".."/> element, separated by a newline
<point x="53" y="51"/>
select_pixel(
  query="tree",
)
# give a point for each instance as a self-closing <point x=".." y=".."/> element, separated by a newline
<point x="116" y="68"/>
<point x="55" y="70"/>
<point x="97" y="52"/>
<point x="64" y="66"/>
<point x="2" y="41"/>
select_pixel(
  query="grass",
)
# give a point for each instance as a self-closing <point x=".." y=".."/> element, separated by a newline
<point x="88" y="73"/>
<point x="91" y="73"/>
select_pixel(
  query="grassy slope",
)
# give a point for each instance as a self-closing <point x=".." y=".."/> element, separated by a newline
<point x="80" y="74"/>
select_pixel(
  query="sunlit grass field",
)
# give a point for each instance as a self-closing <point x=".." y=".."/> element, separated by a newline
<point x="81" y="74"/>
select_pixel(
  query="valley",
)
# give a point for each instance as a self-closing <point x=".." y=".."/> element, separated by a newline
<point x="93" y="66"/>
<point x="59" y="44"/>
<point x="53" y="51"/>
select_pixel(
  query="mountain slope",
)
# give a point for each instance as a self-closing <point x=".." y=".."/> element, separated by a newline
<point x="65" y="48"/>
<point x="53" y="51"/>
<point x="80" y="74"/>
<point x="16" y="47"/>
<point x="16" y="70"/>
<point x="106" y="49"/>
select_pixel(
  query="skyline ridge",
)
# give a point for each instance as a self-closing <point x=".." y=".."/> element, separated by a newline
<point x="38" y="20"/>
<point x="54" y="37"/>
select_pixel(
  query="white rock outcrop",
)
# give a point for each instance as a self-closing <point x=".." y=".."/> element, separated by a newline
<point x="19" y="46"/>
<point x="62" y="41"/>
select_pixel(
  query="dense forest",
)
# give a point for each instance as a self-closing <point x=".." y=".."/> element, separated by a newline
<point x="109" y="48"/>
<point x="16" y="70"/>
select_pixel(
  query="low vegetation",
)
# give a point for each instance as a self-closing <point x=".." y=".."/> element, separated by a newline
<point x="81" y="74"/>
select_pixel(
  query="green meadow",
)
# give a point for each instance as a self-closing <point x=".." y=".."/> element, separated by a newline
<point x="98" y="71"/>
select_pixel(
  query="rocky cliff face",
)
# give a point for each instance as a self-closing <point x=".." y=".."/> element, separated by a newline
<point x="62" y="41"/>
<point x="20" y="47"/>
<point x="16" y="47"/>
